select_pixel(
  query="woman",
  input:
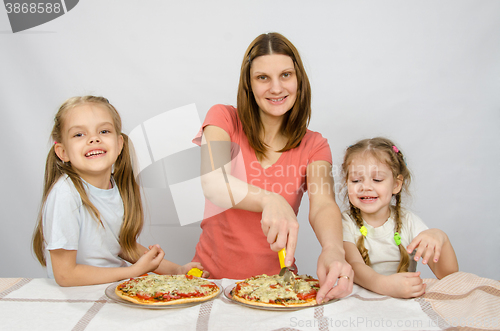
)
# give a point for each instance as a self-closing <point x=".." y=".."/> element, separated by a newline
<point x="257" y="161"/>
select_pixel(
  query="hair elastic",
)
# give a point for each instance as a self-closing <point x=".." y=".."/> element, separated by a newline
<point x="396" y="150"/>
<point x="397" y="238"/>
<point x="363" y="231"/>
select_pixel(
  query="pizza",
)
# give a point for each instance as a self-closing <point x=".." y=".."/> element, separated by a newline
<point x="272" y="291"/>
<point x="166" y="289"/>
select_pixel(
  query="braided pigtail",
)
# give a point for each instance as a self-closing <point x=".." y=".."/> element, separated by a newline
<point x="360" y="244"/>
<point x="404" y="262"/>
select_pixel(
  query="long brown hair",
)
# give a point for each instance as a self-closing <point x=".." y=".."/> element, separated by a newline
<point x="296" y="120"/>
<point x="133" y="219"/>
<point x="386" y="152"/>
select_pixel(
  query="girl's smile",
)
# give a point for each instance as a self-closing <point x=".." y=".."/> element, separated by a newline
<point x="95" y="153"/>
<point x="368" y="199"/>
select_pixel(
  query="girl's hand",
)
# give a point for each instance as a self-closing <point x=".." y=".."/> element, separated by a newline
<point x="150" y="261"/>
<point x="331" y="270"/>
<point x="280" y="226"/>
<point x="183" y="269"/>
<point x="428" y="244"/>
<point x="404" y="285"/>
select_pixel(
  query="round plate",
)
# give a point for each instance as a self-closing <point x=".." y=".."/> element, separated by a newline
<point x="110" y="293"/>
<point x="227" y="294"/>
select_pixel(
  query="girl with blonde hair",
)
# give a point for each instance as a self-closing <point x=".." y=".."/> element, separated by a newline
<point x="379" y="234"/>
<point x="91" y="214"/>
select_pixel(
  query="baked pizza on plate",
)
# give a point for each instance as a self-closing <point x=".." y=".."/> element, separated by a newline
<point x="272" y="291"/>
<point x="164" y="290"/>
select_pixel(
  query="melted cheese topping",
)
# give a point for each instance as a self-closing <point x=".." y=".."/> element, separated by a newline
<point x="270" y="289"/>
<point x="154" y="284"/>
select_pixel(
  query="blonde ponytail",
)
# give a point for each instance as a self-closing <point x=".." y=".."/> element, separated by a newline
<point x="133" y="219"/>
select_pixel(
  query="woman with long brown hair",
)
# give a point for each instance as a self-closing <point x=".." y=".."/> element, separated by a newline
<point x="257" y="161"/>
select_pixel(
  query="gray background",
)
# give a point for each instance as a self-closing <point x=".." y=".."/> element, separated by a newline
<point x="425" y="74"/>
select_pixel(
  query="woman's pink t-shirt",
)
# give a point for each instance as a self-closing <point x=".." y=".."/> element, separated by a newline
<point x="232" y="243"/>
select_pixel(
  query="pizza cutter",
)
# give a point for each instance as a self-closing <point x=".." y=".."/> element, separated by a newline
<point x="288" y="276"/>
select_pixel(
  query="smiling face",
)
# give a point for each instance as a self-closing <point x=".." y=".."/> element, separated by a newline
<point x="274" y="84"/>
<point x="90" y="142"/>
<point x="370" y="186"/>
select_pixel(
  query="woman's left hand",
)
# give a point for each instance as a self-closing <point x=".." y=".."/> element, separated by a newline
<point x="335" y="276"/>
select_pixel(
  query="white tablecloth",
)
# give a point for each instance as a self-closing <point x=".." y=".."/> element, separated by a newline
<point x="461" y="300"/>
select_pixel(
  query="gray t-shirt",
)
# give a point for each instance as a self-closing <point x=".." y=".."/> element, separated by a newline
<point x="68" y="225"/>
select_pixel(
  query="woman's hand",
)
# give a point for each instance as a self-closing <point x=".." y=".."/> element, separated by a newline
<point x="326" y="220"/>
<point x="280" y="226"/>
<point x="335" y="276"/>
<point x="404" y="285"/>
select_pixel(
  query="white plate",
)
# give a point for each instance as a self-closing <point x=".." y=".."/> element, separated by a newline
<point x="110" y="293"/>
<point x="227" y="294"/>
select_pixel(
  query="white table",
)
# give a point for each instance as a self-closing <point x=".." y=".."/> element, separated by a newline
<point x="459" y="299"/>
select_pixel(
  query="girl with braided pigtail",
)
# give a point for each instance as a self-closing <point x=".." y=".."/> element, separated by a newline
<point x="383" y="241"/>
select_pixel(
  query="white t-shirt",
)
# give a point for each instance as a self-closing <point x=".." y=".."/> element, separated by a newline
<point x="68" y="225"/>
<point x="379" y="241"/>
